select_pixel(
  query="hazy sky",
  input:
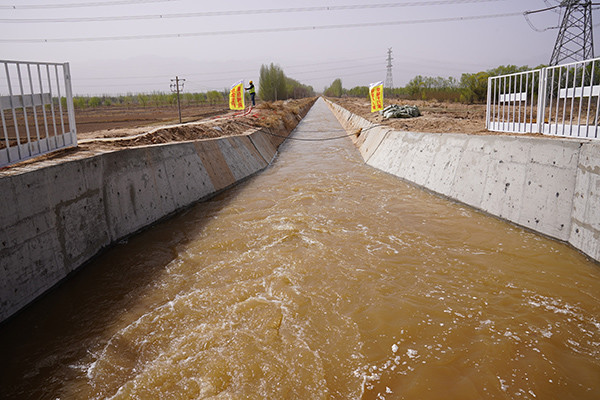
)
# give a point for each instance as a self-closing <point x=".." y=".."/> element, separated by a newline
<point x="115" y="56"/>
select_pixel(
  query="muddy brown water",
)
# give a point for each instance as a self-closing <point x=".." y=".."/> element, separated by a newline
<point x="319" y="278"/>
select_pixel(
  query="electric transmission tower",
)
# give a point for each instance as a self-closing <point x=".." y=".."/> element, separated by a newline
<point x="389" y="81"/>
<point x="575" y="41"/>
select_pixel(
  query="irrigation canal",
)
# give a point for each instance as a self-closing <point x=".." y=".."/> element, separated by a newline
<point x="320" y="278"/>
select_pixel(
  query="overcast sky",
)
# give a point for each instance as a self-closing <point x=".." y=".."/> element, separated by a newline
<point x="109" y="56"/>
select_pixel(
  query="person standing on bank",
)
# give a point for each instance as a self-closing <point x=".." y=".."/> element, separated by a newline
<point x="252" y="92"/>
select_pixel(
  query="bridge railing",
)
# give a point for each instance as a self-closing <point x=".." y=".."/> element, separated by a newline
<point x="36" y="109"/>
<point x="562" y="100"/>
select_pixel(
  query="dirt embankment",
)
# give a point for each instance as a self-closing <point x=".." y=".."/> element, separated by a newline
<point x="436" y="116"/>
<point x="111" y="121"/>
<point x="278" y="118"/>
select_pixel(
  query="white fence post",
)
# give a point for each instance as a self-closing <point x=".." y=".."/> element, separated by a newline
<point x="70" y="107"/>
<point x="489" y="104"/>
<point x="541" y="104"/>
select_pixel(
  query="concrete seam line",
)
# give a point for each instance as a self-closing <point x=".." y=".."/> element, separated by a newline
<point x="572" y="216"/>
<point x="385" y="136"/>
<point x="256" y="147"/>
<point x="338" y="111"/>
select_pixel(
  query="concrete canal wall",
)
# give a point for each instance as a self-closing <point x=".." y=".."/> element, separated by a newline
<point x="549" y="185"/>
<point x="57" y="215"/>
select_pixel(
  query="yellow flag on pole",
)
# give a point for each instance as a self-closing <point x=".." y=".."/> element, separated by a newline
<point x="376" y="94"/>
<point x="236" y="96"/>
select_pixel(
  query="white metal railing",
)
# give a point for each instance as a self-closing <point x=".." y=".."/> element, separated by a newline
<point x="572" y="99"/>
<point x="562" y="100"/>
<point x="512" y="102"/>
<point x="36" y="109"/>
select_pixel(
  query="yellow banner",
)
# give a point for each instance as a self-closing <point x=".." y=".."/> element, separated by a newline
<point x="376" y="94"/>
<point x="236" y="96"/>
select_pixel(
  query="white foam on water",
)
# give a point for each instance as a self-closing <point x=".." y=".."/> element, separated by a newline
<point x="411" y="353"/>
<point x="503" y="385"/>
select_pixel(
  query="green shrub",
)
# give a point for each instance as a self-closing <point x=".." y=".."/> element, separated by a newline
<point x="358" y="91"/>
<point x="143" y="99"/>
<point x="335" y="90"/>
<point x="79" y="102"/>
<point x="95" y="102"/>
<point x="214" y="97"/>
<point x="272" y="83"/>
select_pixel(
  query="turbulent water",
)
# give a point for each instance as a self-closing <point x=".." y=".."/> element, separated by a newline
<point x="320" y="278"/>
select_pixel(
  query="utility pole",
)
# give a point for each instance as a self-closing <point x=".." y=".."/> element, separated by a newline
<point x="177" y="87"/>
<point x="575" y="41"/>
<point x="389" y="81"/>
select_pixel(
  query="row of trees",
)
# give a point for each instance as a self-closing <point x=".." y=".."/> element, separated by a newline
<point x="155" y="99"/>
<point x="471" y="88"/>
<point x="273" y="85"/>
<point x="336" y="89"/>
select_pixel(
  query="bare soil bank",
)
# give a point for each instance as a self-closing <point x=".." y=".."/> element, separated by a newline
<point x="90" y="121"/>
<point x="278" y="118"/>
<point x="436" y="116"/>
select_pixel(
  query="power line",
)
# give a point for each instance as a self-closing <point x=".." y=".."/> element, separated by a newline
<point x="295" y="75"/>
<point x="148" y="83"/>
<point x="333" y="76"/>
<point x="264" y="30"/>
<point x="532" y="26"/>
<point x="556" y="8"/>
<point x="337" y="68"/>
<point x="357" y="133"/>
<point x="332" y="62"/>
<point x="548" y="4"/>
<point x="236" y="12"/>
<point x="125" y="77"/>
<point x="80" y="5"/>
<point x="214" y="82"/>
<point x="247" y="71"/>
<point x="541" y="10"/>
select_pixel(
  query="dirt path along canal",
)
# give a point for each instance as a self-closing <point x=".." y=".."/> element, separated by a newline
<point x="320" y="278"/>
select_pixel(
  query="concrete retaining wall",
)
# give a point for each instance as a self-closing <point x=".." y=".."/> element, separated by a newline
<point x="56" y="216"/>
<point x="549" y="185"/>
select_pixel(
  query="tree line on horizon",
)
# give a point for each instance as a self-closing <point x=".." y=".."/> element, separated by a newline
<point x="154" y="99"/>
<point x="274" y="85"/>
<point x="470" y="88"/>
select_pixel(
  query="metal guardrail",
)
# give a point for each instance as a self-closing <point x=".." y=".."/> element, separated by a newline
<point x="36" y="109"/>
<point x="562" y="100"/>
